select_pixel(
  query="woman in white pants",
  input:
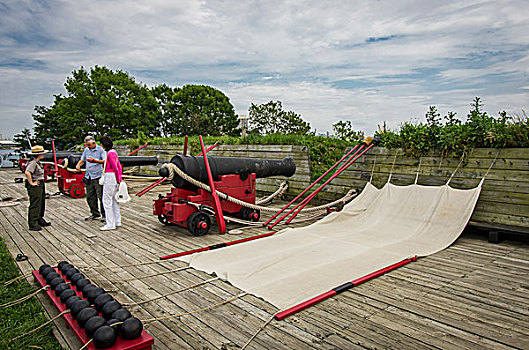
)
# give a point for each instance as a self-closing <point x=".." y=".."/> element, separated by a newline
<point x="112" y="178"/>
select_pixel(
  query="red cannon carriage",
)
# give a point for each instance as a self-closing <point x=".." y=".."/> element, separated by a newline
<point x="190" y="206"/>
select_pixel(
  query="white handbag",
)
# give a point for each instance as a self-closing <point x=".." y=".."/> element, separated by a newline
<point x="123" y="194"/>
<point x="102" y="178"/>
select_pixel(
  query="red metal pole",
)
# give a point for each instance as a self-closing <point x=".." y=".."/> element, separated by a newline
<point x="54" y="156"/>
<point x="217" y="246"/>
<point x="311" y="185"/>
<point x="150" y="187"/>
<point x="342" y="288"/>
<point x="312" y="195"/>
<point x="216" y="201"/>
<point x="131" y="153"/>
<point x="210" y="148"/>
<point x="184" y="152"/>
<point x="153" y="185"/>
<point x="302" y="204"/>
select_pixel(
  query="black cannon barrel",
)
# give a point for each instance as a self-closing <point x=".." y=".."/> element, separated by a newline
<point x="125" y="160"/>
<point x="48" y="157"/>
<point x="195" y="167"/>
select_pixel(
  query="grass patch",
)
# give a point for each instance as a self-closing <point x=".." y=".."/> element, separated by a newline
<point x="24" y="317"/>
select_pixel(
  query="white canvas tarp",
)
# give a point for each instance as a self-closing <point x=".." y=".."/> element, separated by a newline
<point x="378" y="228"/>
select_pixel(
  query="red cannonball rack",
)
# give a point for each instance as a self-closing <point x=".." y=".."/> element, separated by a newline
<point x="144" y="342"/>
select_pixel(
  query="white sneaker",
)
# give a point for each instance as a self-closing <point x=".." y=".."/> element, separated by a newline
<point x="118" y="225"/>
<point x="106" y="228"/>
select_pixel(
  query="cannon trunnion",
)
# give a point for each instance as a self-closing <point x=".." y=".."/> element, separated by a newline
<point x="190" y="207"/>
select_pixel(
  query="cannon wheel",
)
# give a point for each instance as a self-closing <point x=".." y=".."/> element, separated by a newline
<point x="77" y="191"/>
<point x="163" y="219"/>
<point x="246" y="214"/>
<point x="198" y="223"/>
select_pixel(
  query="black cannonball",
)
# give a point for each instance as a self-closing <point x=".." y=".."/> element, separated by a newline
<point x="104" y="337"/>
<point x="71" y="272"/>
<point x="51" y="276"/>
<point x="66" y="294"/>
<point x="112" y="323"/>
<point x="109" y="308"/>
<point x="121" y="314"/>
<point x="84" y="315"/>
<point x="87" y="288"/>
<point x="81" y="283"/>
<point x="46" y="271"/>
<point x="71" y="300"/>
<point x="78" y="306"/>
<point x="54" y="282"/>
<point x="93" y="324"/>
<point x="76" y="277"/>
<point x="65" y="268"/>
<point x="61" y="287"/>
<point x="42" y="267"/>
<point x="92" y="294"/>
<point x="61" y="263"/>
<point x="101" y="300"/>
<point x="131" y="328"/>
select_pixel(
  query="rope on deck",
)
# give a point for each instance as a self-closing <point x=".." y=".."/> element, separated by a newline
<point x="88" y="268"/>
<point x="195" y="311"/>
<point x="258" y="331"/>
<point x="151" y="275"/>
<point x="171" y="293"/>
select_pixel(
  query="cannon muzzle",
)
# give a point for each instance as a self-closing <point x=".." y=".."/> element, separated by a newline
<point x="195" y="167"/>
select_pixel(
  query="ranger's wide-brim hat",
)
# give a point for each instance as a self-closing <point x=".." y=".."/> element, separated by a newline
<point x="36" y="150"/>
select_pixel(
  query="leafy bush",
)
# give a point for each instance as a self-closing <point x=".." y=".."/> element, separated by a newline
<point x="451" y="136"/>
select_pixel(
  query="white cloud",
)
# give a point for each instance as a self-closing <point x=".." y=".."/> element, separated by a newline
<point x="367" y="61"/>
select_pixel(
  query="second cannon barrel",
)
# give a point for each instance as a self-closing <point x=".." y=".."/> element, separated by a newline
<point x="125" y="161"/>
<point x="195" y="167"/>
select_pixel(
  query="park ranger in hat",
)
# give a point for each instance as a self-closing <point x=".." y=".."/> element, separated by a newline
<point x="36" y="190"/>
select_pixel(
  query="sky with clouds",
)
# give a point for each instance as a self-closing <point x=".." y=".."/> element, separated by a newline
<point x="366" y="61"/>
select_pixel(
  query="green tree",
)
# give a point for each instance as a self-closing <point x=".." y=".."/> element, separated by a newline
<point x="98" y="102"/>
<point x="22" y="138"/>
<point x="270" y="118"/>
<point x="344" y="130"/>
<point x="168" y="109"/>
<point x="201" y="110"/>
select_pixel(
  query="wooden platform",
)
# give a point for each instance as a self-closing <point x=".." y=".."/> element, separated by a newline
<point x="471" y="295"/>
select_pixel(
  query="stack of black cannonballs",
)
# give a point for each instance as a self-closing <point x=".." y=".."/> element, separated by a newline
<point x="102" y="317"/>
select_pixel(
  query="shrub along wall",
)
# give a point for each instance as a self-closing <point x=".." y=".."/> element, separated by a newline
<point x="504" y="199"/>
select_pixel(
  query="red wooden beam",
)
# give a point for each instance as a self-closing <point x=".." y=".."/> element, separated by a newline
<point x="216" y="201"/>
<point x="136" y="150"/>
<point x="313" y="194"/>
<point x="210" y="148"/>
<point x="54" y="157"/>
<point x="337" y="290"/>
<point x="311" y="185"/>
<point x="184" y="152"/>
<point x="217" y="246"/>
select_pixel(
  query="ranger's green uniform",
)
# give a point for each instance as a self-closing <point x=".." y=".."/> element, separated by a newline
<point x="37" y="194"/>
